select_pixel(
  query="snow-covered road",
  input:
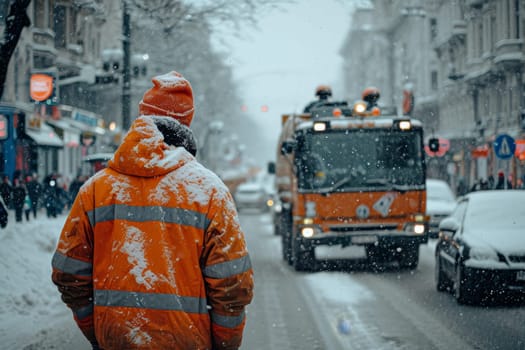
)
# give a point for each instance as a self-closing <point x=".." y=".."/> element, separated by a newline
<point x="338" y="309"/>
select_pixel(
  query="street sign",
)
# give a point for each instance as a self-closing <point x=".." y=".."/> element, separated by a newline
<point x="504" y="146"/>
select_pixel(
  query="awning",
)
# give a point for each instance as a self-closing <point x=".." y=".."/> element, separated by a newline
<point x="45" y="136"/>
<point x="70" y="134"/>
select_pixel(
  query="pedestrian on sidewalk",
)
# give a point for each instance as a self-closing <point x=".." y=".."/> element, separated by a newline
<point x="152" y="255"/>
<point x="6" y="191"/>
<point x="19" y="195"/>
<point x="4" y="214"/>
<point x="34" y="190"/>
<point x="27" y="206"/>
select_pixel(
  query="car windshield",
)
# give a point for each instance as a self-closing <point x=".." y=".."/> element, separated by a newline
<point x="359" y="159"/>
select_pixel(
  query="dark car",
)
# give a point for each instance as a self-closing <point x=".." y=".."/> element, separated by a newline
<point x="480" y="250"/>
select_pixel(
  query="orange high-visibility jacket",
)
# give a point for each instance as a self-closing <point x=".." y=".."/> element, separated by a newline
<point x="152" y="255"/>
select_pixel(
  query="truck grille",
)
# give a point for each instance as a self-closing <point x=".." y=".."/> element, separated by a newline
<point x="517" y="258"/>
<point x="354" y="228"/>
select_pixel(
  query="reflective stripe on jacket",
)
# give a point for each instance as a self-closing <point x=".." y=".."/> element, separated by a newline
<point x="153" y="253"/>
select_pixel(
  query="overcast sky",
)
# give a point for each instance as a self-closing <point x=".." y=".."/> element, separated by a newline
<point x="280" y="64"/>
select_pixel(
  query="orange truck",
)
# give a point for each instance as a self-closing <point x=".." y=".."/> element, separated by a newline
<point x="351" y="176"/>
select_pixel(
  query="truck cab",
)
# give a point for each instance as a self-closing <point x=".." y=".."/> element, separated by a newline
<point x="351" y="179"/>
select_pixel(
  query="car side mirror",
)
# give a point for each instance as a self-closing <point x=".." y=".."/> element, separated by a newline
<point x="433" y="144"/>
<point x="288" y="147"/>
<point x="448" y="226"/>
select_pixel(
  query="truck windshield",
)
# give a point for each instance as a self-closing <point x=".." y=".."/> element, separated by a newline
<point x="360" y="159"/>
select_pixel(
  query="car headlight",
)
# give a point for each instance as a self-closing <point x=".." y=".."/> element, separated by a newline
<point x="483" y="253"/>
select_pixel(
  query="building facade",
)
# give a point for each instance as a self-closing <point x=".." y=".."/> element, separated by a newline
<point x="463" y="60"/>
<point x="54" y="86"/>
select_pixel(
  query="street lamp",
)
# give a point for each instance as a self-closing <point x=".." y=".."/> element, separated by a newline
<point x="126" y="94"/>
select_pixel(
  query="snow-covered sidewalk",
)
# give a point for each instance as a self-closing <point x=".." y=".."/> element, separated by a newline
<point x="30" y="305"/>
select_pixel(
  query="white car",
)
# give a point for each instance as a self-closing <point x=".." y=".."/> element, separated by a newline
<point x="440" y="204"/>
<point x="251" y="195"/>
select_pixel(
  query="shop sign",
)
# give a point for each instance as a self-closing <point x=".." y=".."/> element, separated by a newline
<point x="42" y="88"/>
<point x="520" y="149"/>
<point x="480" y="152"/>
<point x="4" y="131"/>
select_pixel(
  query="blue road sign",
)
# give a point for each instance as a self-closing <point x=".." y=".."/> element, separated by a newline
<point x="504" y="146"/>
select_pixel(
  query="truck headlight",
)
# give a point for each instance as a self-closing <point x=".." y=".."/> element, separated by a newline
<point x="307" y="231"/>
<point x="416" y="228"/>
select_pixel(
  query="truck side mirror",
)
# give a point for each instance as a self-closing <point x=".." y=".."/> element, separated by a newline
<point x="288" y="147"/>
<point x="271" y="168"/>
<point x="433" y="144"/>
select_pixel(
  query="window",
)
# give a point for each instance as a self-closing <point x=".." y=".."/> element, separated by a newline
<point x="40" y="17"/>
<point x="59" y="25"/>
<point x="480" y="38"/>
<point x="4" y="10"/>
<point x="517" y="17"/>
<point x="433" y="29"/>
<point x="434" y="80"/>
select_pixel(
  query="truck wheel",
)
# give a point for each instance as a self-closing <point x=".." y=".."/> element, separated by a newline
<point x="303" y="260"/>
<point x="286" y="238"/>
<point x="286" y="249"/>
<point x="280" y="225"/>
<point x="409" y="256"/>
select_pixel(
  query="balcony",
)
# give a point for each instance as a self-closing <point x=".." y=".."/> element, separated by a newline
<point x="509" y="53"/>
<point x="459" y="29"/>
<point x="475" y="3"/>
<point x="453" y="38"/>
<point x="479" y="72"/>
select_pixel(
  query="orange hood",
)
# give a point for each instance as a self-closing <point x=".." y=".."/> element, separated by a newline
<point x="144" y="153"/>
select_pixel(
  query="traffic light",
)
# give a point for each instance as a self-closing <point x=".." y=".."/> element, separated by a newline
<point x="433" y="144"/>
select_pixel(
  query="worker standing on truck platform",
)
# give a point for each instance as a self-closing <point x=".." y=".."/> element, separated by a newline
<point x="323" y="92"/>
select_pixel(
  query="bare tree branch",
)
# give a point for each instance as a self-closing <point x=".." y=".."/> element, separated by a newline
<point x="15" y="21"/>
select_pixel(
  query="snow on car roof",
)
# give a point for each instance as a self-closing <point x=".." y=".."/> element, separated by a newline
<point x="439" y="189"/>
<point x="496" y="208"/>
<point x="250" y="186"/>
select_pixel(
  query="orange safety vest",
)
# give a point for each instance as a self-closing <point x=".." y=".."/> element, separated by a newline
<point x="152" y="255"/>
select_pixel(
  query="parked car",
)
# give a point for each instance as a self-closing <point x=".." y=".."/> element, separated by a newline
<point x="251" y="195"/>
<point x="481" y="246"/>
<point x="440" y="203"/>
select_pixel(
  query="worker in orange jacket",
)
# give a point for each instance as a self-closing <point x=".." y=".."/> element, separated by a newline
<point x="152" y="255"/>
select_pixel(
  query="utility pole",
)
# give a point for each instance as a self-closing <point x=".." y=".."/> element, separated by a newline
<point x="126" y="94"/>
